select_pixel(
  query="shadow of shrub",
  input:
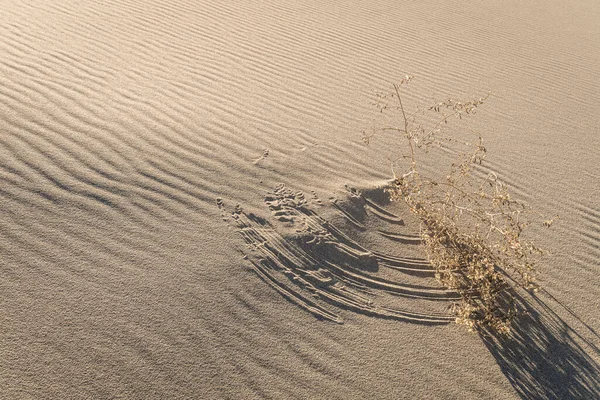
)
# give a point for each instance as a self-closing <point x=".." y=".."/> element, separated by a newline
<point x="544" y="358"/>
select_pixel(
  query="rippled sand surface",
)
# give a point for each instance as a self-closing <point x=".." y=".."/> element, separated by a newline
<point x="187" y="209"/>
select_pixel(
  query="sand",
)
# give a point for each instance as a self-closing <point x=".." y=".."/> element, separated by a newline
<point x="152" y="155"/>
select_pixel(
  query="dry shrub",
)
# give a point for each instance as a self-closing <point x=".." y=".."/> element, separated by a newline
<point x="471" y="227"/>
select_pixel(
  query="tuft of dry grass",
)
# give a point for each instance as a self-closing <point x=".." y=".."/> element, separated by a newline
<point x="471" y="226"/>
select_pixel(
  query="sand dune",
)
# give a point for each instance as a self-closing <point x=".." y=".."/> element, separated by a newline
<point x="153" y="155"/>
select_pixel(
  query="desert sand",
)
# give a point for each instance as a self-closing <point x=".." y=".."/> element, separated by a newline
<point x="160" y="161"/>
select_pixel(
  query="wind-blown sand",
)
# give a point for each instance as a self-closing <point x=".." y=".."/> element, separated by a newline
<point x="131" y="130"/>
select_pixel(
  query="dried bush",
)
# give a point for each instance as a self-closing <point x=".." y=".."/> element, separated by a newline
<point x="471" y="227"/>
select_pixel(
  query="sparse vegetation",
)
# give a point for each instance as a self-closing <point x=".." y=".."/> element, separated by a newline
<point x="471" y="227"/>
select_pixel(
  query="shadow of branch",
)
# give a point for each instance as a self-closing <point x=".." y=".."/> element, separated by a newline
<point x="545" y="358"/>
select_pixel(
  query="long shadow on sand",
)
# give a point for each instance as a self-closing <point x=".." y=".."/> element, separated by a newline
<point x="545" y="358"/>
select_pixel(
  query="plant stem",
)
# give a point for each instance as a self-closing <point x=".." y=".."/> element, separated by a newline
<point x="412" y="150"/>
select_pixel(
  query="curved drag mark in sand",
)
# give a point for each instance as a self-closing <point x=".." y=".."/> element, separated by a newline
<point x="309" y="261"/>
<point x="365" y="204"/>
